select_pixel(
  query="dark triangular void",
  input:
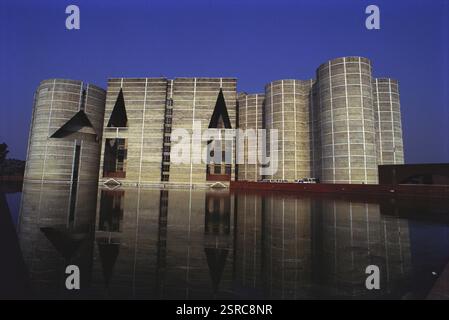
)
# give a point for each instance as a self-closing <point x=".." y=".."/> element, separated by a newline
<point x="118" y="117"/>
<point x="78" y="127"/>
<point x="108" y="256"/>
<point x="216" y="260"/>
<point x="220" y="116"/>
<point x="65" y="243"/>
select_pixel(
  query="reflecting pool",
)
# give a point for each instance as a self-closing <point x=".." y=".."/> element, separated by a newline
<point x="214" y="244"/>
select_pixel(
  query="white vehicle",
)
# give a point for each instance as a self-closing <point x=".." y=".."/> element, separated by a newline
<point x="307" y="180"/>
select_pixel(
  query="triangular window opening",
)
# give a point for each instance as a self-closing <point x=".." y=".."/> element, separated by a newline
<point x="220" y="116"/>
<point x="78" y="127"/>
<point x="220" y="171"/>
<point x="118" y="117"/>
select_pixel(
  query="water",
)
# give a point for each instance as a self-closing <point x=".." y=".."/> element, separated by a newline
<point x="201" y="244"/>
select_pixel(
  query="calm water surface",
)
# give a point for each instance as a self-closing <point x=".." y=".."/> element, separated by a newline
<point x="201" y="244"/>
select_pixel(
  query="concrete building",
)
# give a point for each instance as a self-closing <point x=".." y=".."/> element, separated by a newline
<point x="141" y="115"/>
<point x="250" y="116"/>
<point x="347" y="121"/>
<point x="287" y="110"/>
<point x="65" y="134"/>
<point x="199" y="104"/>
<point x="387" y="114"/>
<point x="338" y="128"/>
<point x="133" y="130"/>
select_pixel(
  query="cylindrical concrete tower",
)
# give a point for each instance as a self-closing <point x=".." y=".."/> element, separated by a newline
<point x="66" y="128"/>
<point x="347" y="121"/>
<point x="250" y="121"/>
<point x="387" y="114"/>
<point x="315" y="130"/>
<point x="287" y="110"/>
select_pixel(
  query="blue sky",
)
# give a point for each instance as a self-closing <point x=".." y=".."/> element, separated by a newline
<point x="255" y="41"/>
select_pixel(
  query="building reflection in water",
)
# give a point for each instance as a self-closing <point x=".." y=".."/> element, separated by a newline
<point x="55" y="230"/>
<point x="346" y="238"/>
<point x="196" y="244"/>
<point x="293" y="248"/>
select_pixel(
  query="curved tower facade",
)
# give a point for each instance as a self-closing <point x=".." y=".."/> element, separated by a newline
<point x="387" y="114"/>
<point x="348" y="139"/>
<point x="66" y="128"/>
<point x="159" y="132"/>
<point x="287" y="111"/>
<point x="250" y="120"/>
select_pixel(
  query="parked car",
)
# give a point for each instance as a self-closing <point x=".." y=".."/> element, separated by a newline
<point x="307" y="180"/>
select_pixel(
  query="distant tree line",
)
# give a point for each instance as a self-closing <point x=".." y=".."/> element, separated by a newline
<point x="3" y="152"/>
<point x="10" y="167"/>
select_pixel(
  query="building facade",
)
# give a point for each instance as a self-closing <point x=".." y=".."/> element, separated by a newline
<point x="347" y="121"/>
<point x="337" y="127"/>
<point x="65" y="133"/>
<point x="287" y="111"/>
<point x="250" y="107"/>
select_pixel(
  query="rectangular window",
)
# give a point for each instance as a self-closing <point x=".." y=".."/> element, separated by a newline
<point x="115" y="154"/>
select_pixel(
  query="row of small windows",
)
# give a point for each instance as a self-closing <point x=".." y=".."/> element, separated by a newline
<point x="165" y="175"/>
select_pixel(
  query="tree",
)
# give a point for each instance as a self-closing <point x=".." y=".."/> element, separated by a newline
<point x="3" y="152"/>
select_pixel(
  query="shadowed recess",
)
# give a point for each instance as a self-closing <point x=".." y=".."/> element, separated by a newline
<point x="78" y="127"/>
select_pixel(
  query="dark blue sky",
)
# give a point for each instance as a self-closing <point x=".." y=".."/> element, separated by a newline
<point x="254" y="40"/>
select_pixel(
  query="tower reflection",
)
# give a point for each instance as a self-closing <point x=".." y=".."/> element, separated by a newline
<point x="290" y="248"/>
<point x="197" y="244"/>
<point x="56" y="230"/>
